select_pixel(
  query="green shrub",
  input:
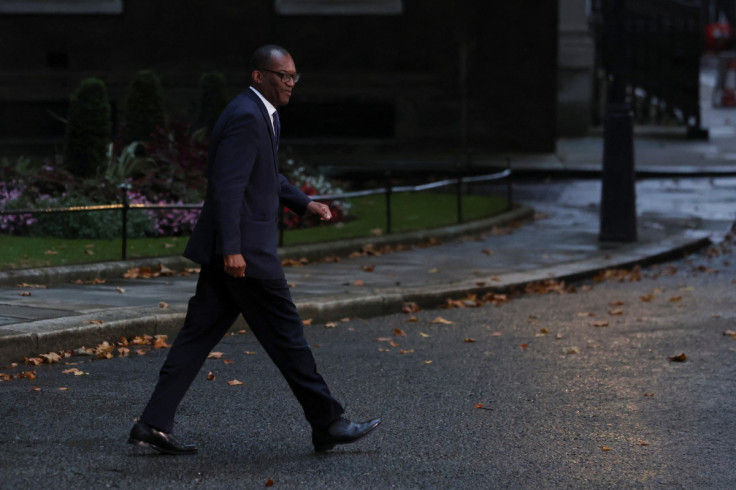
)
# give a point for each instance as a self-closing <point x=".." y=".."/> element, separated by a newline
<point x="88" y="225"/>
<point x="88" y="131"/>
<point x="212" y="100"/>
<point x="145" y="108"/>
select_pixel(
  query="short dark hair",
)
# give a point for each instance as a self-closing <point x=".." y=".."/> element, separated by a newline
<point x="263" y="55"/>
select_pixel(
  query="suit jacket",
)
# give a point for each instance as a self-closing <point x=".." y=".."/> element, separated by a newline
<point x="244" y="187"/>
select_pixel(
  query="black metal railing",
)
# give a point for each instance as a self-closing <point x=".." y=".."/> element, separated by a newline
<point x="664" y="45"/>
<point x="125" y="207"/>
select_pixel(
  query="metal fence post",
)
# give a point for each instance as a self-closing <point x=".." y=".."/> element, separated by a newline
<point x="388" y="202"/>
<point x="459" y="193"/>
<point x="124" y="192"/>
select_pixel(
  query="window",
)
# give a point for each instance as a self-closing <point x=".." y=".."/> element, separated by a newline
<point x="61" y="6"/>
<point x="339" y="7"/>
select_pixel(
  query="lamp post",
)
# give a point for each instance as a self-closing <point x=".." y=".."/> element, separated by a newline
<point x="618" y="190"/>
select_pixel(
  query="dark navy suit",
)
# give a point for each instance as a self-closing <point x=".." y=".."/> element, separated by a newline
<point x="240" y="216"/>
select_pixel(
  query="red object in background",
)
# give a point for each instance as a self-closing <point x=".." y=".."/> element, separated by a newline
<point x="718" y="36"/>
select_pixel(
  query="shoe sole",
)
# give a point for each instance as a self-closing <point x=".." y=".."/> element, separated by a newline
<point x="148" y="445"/>
<point x="326" y="447"/>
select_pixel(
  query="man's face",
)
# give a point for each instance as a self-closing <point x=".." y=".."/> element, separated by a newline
<point x="269" y="84"/>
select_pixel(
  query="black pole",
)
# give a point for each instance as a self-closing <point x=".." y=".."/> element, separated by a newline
<point x="388" y="202"/>
<point x="618" y="190"/>
<point x="459" y="198"/>
<point x="281" y="225"/>
<point x="126" y="206"/>
<point x="509" y="189"/>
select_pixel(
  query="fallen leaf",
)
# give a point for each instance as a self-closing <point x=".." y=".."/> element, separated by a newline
<point x="478" y="405"/>
<point x="358" y="282"/>
<point x="647" y="298"/>
<point x="600" y="324"/>
<point x="616" y="312"/>
<point x="50" y="252"/>
<point x="425" y="335"/>
<point x="524" y="346"/>
<point x="307" y="322"/>
<point x="496" y="334"/>
<point x="63" y="389"/>
<point x="616" y="303"/>
<point x="427" y="362"/>
<point x="25" y="293"/>
<point x="120" y="290"/>
<point x="434" y="270"/>
<point x="606" y="448"/>
<point x="368" y="268"/>
<point x="487" y="252"/>
<point x="330" y="324"/>
<point x="572" y="350"/>
<point x="161" y="342"/>
<point x="229" y="361"/>
<point x="412" y="319"/>
<point x="642" y="443"/>
<point x="675" y="299"/>
<point x="585" y="313"/>
<point x="441" y="320"/>
<point x="398" y="331"/>
<point x="678" y="358"/>
<point x="377" y="231"/>
<point x="249" y="352"/>
<point x="469" y="340"/>
<point x="94" y="322"/>
<point x="215" y="355"/>
<point x="235" y="382"/>
<point x="410" y="307"/>
<point x="269" y="482"/>
<point x="406" y="351"/>
<point x="211" y="376"/>
<point x="163" y="304"/>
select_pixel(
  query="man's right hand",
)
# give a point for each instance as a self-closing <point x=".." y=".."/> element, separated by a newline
<point x="234" y="265"/>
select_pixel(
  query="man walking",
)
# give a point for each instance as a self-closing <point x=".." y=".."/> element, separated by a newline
<point x="235" y="242"/>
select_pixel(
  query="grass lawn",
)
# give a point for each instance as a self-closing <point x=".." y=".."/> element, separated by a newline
<point x="420" y="210"/>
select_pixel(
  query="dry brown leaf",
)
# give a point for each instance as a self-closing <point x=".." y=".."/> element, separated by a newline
<point x="269" y="482"/>
<point x="163" y="304"/>
<point x="469" y="340"/>
<point x="616" y="312"/>
<point x="330" y="324"/>
<point x="234" y="382"/>
<point x="211" y="376"/>
<point x="496" y="334"/>
<point x="442" y="321"/>
<point x="616" y="303"/>
<point x="647" y="298"/>
<point x="600" y="324"/>
<point x="675" y="299"/>
<point x="406" y="351"/>
<point x="358" y="282"/>
<point x="410" y="307"/>
<point x="424" y="335"/>
<point x="412" y="319"/>
<point x="678" y="358"/>
<point x="215" y="355"/>
<point x="307" y="322"/>
<point x="368" y="268"/>
<point x="606" y="448"/>
<point x="120" y="290"/>
<point x="25" y="293"/>
<point x="487" y="252"/>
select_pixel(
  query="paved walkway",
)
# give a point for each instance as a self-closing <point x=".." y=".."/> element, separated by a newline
<point x="557" y="242"/>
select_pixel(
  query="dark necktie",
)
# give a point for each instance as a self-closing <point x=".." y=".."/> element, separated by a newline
<point x="276" y="127"/>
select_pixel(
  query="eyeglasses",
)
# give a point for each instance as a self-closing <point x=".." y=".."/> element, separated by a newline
<point x="285" y="77"/>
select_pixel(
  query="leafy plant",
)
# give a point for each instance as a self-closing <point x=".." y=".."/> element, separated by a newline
<point x="212" y="100"/>
<point x="145" y="107"/>
<point x="87" y="224"/>
<point x="129" y="163"/>
<point x="89" y="129"/>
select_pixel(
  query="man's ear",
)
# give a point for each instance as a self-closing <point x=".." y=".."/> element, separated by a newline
<point x="256" y="76"/>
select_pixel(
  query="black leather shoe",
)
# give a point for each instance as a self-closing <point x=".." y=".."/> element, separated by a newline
<point x="342" y="431"/>
<point x="144" y="435"/>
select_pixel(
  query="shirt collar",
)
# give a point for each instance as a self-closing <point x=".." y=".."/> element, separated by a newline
<point x="269" y="106"/>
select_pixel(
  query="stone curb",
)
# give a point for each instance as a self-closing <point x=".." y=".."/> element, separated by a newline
<point x="73" y="332"/>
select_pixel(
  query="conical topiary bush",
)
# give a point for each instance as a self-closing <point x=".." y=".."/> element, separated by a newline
<point x="145" y="107"/>
<point x="89" y="129"/>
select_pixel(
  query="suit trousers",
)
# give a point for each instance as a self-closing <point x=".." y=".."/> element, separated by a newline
<point x="271" y="315"/>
